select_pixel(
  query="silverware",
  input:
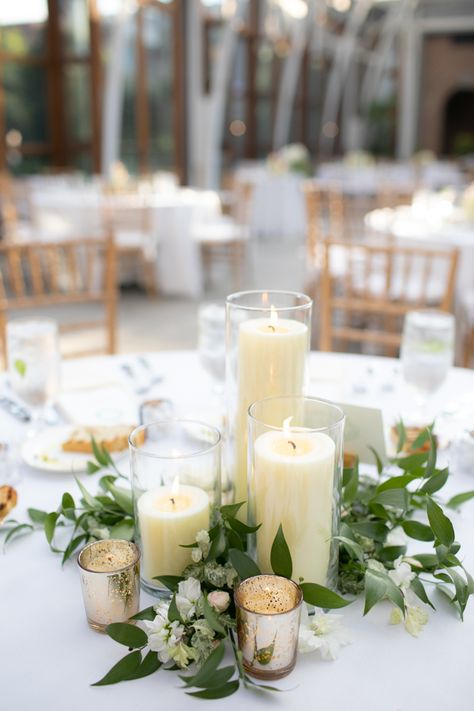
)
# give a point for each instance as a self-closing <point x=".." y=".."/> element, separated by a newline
<point x="130" y="373"/>
<point x="15" y="409"/>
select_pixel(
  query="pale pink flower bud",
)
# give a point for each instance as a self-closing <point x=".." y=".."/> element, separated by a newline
<point x="219" y="600"/>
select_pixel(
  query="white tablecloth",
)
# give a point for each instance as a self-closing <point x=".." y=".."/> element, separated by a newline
<point x="49" y="657"/>
<point x="174" y="215"/>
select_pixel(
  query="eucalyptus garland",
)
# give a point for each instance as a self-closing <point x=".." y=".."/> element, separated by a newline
<point x="379" y="517"/>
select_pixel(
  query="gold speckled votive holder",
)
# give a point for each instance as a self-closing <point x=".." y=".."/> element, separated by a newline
<point x="268" y="611"/>
<point x="110" y="580"/>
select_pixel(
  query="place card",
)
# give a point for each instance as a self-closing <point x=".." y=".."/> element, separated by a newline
<point x="364" y="426"/>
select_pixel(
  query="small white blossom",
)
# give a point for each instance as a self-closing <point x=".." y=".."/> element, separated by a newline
<point x="219" y="600"/>
<point x="203" y="541"/>
<point x="396" y="537"/>
<point x="402" y="574"/>
<point x="163" y="635"/>
<point x="324" y="632"/>
<point x="376" y="565"/>
<point x="196" y="555"/>
<point x="415" y="618"/>
<point x="189" y="592"/>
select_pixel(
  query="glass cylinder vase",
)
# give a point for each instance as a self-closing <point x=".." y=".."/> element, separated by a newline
<point x="268" y="335"/>
<point x="295" y="468"/>
<point x="175" y="468"/>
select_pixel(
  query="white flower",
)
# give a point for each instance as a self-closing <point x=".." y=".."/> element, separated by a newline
<point x="396" y="537"/>
<point x="402" y="574"/>
<point x="376" y="565"/>
<point x="415" y="618"/>
<point x="324" y="632"/>
<point x="219" y="600"/>
<point x="196" y="555"/>
<point x="204" y="542"/>
<point x="189" y="592"/>
<point x="163" y="635"/>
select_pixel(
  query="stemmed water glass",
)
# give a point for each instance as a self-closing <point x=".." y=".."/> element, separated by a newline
<point x="33" y="364"/>
<point x="211" y="342"/>
<point x="427" y="354"/>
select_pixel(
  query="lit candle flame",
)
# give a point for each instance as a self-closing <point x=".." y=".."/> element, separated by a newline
<point x="175" y="486"/>
<point x="286" y="426"/>
<point x="273" y="315"/>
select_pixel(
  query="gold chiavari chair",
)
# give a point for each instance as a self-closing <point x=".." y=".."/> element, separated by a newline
<point x="50" y="275"/>
<point x="381" y="283"/>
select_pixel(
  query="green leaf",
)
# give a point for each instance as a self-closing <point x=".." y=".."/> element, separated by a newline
<point x="50" y="525"/>
<point x="231" y="510"/>
<point x="435" y="482"/>
<point x="149" y="664"/>
<point x="402" y="435"/>
<point x="170" y="582"/>
<point x="91" y="501"/>
<point x="206" y="672"/>
<point x="37" y="516"/>
<point x="319" y="596"/>
<point x="123" y="497"/>
<point x="242" y="528"/>
<point x="220" y="677"/>
<point x="423" y="437"/>
<point x="371" y="529"/>
<point x="378" y="461"/>
<point x="212" y="619"/>
<point x="243" y="564"/>
<point x="129" y="635"/>
<point x="456" y="501"/>
<point x="173" y="612"/>
<point x="123" y="530"/>
<point x="280" y="556"/>
<point x="397" y="482"/>
<point x="427" y="560"/>
<point x="73" y="544"/>
<point x="375" y="589"/>
<point x="412" y="461"/>
<point x="218" y="545"/>
<point x="68" y="507"/>
<point x="17" y="530"/>
<point x="92" y="467"/>
<point x="418" y="531"/>
<point x="440" y="524"/>
<point x="148" y="613"/>
<point x="353" y="548"/>
<point x="220" y="693"/>
<point x="419" y="590"/>
<point x="99" y="453"/>
<point x="122" y="670"/>
<point x="431" y="462"/>
<point x="391" y="553"/>
<point x="20" y="367"/>
<point x="395" y="498"/>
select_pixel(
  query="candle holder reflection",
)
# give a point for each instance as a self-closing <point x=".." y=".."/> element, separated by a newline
<point x="268" y="609"/>
<point x="110" y="580"/>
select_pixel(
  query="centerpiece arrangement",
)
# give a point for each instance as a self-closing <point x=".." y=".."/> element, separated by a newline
<point x="296" y="535"/>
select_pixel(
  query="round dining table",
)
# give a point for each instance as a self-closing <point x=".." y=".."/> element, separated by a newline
<point x="49" y="657"/>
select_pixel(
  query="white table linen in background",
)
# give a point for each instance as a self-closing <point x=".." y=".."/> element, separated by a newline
<point x="172" y="214"/>
<point x="49" y="657"/>
<point x="277" y="201"/>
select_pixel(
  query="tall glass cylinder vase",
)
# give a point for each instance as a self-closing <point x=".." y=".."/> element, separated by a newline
<point x="175" y="468"/>
<point x="295" y="468"/>
<point x="268" y="335"/>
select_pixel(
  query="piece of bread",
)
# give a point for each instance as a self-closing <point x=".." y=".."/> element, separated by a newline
<point x="113" y="437"/>
<point x="8" y="500"/>
<point x="412" y="433"/>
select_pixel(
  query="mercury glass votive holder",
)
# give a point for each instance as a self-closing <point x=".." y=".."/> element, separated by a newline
<point x="268" y="609"/>
<point x="110" y="580"/>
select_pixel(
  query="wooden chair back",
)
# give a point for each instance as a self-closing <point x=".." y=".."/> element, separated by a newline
<point x="56" y="274"/>
<point x="378" y="286"/>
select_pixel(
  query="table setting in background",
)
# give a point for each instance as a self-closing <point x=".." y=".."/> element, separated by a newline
<point x="236" y="516"/>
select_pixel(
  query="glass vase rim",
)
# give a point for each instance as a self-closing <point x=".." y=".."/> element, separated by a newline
<point x="297" y="588"/>
<point x="175" y="421"/>
<point x="309" y="398"/>
<point x="306" y="301"/>
<point x="130" y="544"/>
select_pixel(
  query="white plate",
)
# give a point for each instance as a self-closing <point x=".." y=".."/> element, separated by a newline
<point x="44" y="452"/>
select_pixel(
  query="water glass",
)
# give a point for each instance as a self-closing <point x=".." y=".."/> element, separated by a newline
<point x="427" y="351"/>
<point x="33" y="362"/>
<point x="211" y="341"/>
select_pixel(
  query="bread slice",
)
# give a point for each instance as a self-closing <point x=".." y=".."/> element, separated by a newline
<point x="8" y="500"/>
<point x="412" y="432"/>
<point x="113" y="437"/>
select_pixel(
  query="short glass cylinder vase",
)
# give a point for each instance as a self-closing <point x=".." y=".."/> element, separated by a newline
<point x="268" y="335"/>
<point x="175" y="469"/>
<point x="295" y="469"/>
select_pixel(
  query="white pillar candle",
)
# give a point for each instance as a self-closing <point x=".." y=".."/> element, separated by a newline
<point x="293" y="486"/>
<point x="271" y="362"/>
<point x="169" y="517"/>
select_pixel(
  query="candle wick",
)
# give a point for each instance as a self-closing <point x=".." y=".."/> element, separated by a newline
<point x="172" y="501"/>
<point x="272" y="327"/>
<point x="292" y="444"/>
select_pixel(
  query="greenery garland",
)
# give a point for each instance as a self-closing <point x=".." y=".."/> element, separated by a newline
<point x="378" y="517"/>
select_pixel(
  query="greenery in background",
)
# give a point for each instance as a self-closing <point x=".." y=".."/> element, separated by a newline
<point x="381" y="121"/>
<point x="378" y="517"/>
